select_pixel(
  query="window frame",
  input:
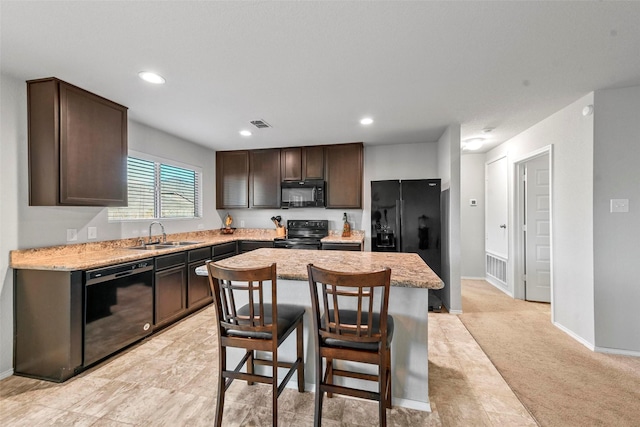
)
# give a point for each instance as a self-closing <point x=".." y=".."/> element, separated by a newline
<point x="157" y="160"/>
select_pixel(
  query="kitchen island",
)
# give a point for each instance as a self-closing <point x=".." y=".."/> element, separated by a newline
<point x="411" y="279"/>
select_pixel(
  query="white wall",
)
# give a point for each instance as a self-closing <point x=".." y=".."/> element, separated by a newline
<point x="571" y="135"/>
<point x="472" y="217"/>
<point x="26" y="226"/>
<point x="141" y="138"/>
<point x="12" y="129"/>
<point x="449" y="171"/>
<point x="616" y="239"/>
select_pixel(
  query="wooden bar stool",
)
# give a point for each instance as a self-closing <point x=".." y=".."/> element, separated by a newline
<point x="350" y="323"/>
<point x="254" y="326"/>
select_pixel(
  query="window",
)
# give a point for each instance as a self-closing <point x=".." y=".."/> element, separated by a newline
<point x="159" y="190"/>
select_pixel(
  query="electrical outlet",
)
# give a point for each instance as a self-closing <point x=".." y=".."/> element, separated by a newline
<point x="242" y="224"/>
<point x="200" y="226"/>
<point x="92" y="232"/>
<point x="619" y="205"/>
<point x="72" y="234"/>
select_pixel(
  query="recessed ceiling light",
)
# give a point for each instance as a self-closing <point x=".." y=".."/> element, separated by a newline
<point x="473" y="144"/>
<point x="150" y="77"/>
<point x="245" y="133"/>
<point x="366" y="121"/>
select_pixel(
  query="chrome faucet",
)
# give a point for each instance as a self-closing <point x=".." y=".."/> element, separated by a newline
<point x="164" y="235"/>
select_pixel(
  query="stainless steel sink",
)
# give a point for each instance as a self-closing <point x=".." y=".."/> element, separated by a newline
<point x="176" y="243"/>
<point x="159" y="246"/>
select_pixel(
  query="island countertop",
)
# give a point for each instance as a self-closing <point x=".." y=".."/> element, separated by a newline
<point x="407" y="269"/>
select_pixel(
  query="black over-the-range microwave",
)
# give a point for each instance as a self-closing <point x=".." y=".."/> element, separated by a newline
<point x="302" y="194"/>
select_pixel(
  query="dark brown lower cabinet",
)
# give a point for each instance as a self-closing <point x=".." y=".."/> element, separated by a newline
<point x="198" y="290"/>
<point x="170" y="288"/>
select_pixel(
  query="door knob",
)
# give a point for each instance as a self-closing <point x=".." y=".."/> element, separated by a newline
<point x="503" y="226"/>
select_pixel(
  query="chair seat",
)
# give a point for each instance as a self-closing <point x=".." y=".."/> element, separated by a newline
<point x="350" y="316"/>
<point x="288" y="316"/>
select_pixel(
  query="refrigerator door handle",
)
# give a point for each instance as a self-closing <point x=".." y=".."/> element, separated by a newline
<point x="399" y="204"/>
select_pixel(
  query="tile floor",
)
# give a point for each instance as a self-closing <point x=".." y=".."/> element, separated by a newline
<point x="168" y="380"/>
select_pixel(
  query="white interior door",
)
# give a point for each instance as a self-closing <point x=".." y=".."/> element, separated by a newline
<point x="497" y="208"/>
<point x="537" y="231"/>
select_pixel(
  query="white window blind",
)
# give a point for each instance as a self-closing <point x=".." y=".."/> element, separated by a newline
<point x="157" y="190"/>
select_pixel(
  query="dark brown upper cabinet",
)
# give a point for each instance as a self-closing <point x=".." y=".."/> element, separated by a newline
<point x="77" y="146"/>
<point x="232" y="179"/>
<point x="343" y="173"/>
<point x="264" y="178"/>
<point x="302" y="163"/>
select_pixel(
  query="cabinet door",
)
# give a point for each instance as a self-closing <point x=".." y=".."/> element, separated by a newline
<point x="232" y="179"/>
<point x="313" y="162"/>
<point x="343" y="166"/>
<point x="198" y="291"/>
<point x="93" y="149"/>
<point x="265" y="178"/>
<point x="291" y="164"/>
<point x="170" y="290"/>
<point x="77" y="146"/>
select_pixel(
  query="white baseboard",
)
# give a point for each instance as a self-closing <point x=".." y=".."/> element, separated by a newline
<point x="575" y="336"/>
<point x="608" y="350"/>
<point x="6" y="374"/>
<point x="498" y="285"/>
<point x="473" y="278"/>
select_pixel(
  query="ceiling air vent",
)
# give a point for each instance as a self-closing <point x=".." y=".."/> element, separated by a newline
<point x="260" y="124"/>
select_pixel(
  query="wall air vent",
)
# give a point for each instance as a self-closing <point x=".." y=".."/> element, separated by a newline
<point x="260" y="124"/>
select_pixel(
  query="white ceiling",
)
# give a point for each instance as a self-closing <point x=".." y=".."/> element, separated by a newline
<point x="313" y="69"/>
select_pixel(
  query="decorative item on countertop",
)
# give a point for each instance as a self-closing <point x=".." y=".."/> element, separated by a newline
<point x="280" y="231"/>
<point x="346" y="228"/>
<point x="227" y="225"/>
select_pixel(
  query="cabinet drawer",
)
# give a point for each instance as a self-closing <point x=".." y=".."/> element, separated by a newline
<point x="341" y="246"/>
<point x="199" y="254"/>
<point x="248" y="245"/>
<point x="224" y="249"/>
<point x="171" y="260"/>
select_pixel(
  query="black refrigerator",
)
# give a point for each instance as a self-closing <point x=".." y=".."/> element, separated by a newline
<point x="405" y="217"/>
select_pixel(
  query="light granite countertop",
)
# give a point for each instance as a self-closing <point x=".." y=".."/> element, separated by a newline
<point x="407" y="269"/>
<point x="85" y="256"/>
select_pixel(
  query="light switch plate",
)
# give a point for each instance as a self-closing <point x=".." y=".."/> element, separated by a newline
<point x="72" y="234"/>
<point x="619" y="205"/>
<point x="92" y="232"/>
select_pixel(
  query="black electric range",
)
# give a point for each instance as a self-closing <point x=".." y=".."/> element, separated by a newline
<point x="303" y="234"/>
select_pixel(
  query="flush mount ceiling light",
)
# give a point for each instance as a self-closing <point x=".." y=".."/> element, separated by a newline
<point x="366" y="121"/>
<point x="151" y="77"/>
<point x="245" y="133"/>
<point x="473" y="144"/>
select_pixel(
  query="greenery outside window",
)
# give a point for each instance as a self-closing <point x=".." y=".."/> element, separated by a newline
<point x="159" y="190"/>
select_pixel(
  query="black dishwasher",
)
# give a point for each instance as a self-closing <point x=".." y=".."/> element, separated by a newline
<point x="118" y="308"/>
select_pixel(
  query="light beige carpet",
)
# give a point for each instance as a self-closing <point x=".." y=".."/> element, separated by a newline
<point x="561" y="382"/>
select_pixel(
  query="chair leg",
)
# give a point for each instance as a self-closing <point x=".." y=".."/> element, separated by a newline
<point x="317" y="410"/>
<point x="389" y="388"/>
<point x="300" y="351"/>
<point x="329" y="375"/>
<point x="250" y="366"/>
<point x="382" y="387"/>
<point x="274" y="389"/>
<point x="222" y="366"/>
